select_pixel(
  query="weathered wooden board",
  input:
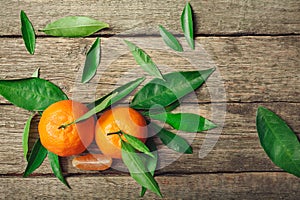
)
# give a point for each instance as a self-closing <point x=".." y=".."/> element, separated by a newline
<point x="237" y="149"/>
<point x="197" y="186"/>
<point x="253" y="69"/>
<point x="211" y="17"/>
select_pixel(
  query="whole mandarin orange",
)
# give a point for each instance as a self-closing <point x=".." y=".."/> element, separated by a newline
<point x="123" y="119"/>
<point x="72" y="139"/>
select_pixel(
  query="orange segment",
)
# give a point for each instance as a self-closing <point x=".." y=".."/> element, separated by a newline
<point x="97" y="162"/>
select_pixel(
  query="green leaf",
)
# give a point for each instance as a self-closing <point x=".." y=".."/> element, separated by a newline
<point x="36" y="158"/>
<point x="36" y="73"/>
<point x="26" y="137"/>
<point x="28" y="33"/>
<point x="175" y="86"/>
<point x="74" y="26"/>
<point x="137" y="144"/>
<point x="185" y="121"/>
<point x="172" y="106"/>
<point x="92" y="62"/>
<point x="278" y="140"/>
<point x="137" y="169"/>
<point x="187" y="25"/>
<point x="33" y="94"/>
<point x="169" y="39"/>
<point x="104" y="104"/>
<point x="171" y="140"/>
<point x="151" y="163"/>
<point x="55" y="166"/>
<point x="144" y="60"/>
<point x="122" y="91"/>
<point x="160" y="109"/>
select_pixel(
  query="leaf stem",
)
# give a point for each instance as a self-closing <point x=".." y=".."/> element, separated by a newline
<point x="115" y="133"/>
<point x="63" y="126"/>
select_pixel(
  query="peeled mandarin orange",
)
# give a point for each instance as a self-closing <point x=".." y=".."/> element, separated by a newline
<point x="97" y="162"/>
<point x="123" y="119"/>
<point x="72" y="139"/>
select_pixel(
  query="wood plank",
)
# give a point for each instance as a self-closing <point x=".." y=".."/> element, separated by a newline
<point x="253" y="69"/>
<point x="198" y="186"/>
<point x="237" y="149"/>
<point x="211" y="17"/>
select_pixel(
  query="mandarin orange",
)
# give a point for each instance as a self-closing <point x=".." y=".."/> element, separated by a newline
<point x="123" y="119"/>
<point x="72" y="139"/>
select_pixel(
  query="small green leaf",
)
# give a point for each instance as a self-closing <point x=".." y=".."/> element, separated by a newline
<point x="187" y="25"/>
<point x="150" y="162"/>
<point x="74" y="26"/>
<point x="28" y="33"/>
<point x="169" y="39"/>
<point x="175" y="86"/>
<point x="137" y="144"/>
<point x="33" y="94"/>
<point x="92" y="62"/>
<point x="137" y="169"/>
<point x="104" y="104"/>
<point x="278" y="140"/>
<point x="36" y="73"/>
<point x="55" y="166"/>
<point x="172" y="140"/>
<point x="144" y="60"/>
<point x="36" y="158"/>
<point x="122" y="91"/>
<point x="26" y="137"/>
<point x="185" y="121"/>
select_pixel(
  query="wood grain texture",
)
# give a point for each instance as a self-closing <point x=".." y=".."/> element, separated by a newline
<point x="198" y="186"/>
<point x="237" y="149"/>
<point x="211" y="17"/>
<point x="253" y="69"/>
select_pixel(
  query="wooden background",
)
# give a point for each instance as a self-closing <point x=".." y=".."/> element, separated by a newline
<point x="255" y="46"/>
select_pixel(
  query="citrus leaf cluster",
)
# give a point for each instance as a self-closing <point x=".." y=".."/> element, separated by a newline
<point x="145" y="61"/>
<point x="137" y="168"/>
<point x="70" y="26"/>
<point x="36" y="94"/>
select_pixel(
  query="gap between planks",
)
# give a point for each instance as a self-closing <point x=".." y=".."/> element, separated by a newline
<point x="176" y="35"/>
<point x="116" y="173"/>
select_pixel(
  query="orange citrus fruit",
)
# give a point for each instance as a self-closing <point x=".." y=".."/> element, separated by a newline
<point x="72" y="139"/>
<point x="123" y="119"/>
